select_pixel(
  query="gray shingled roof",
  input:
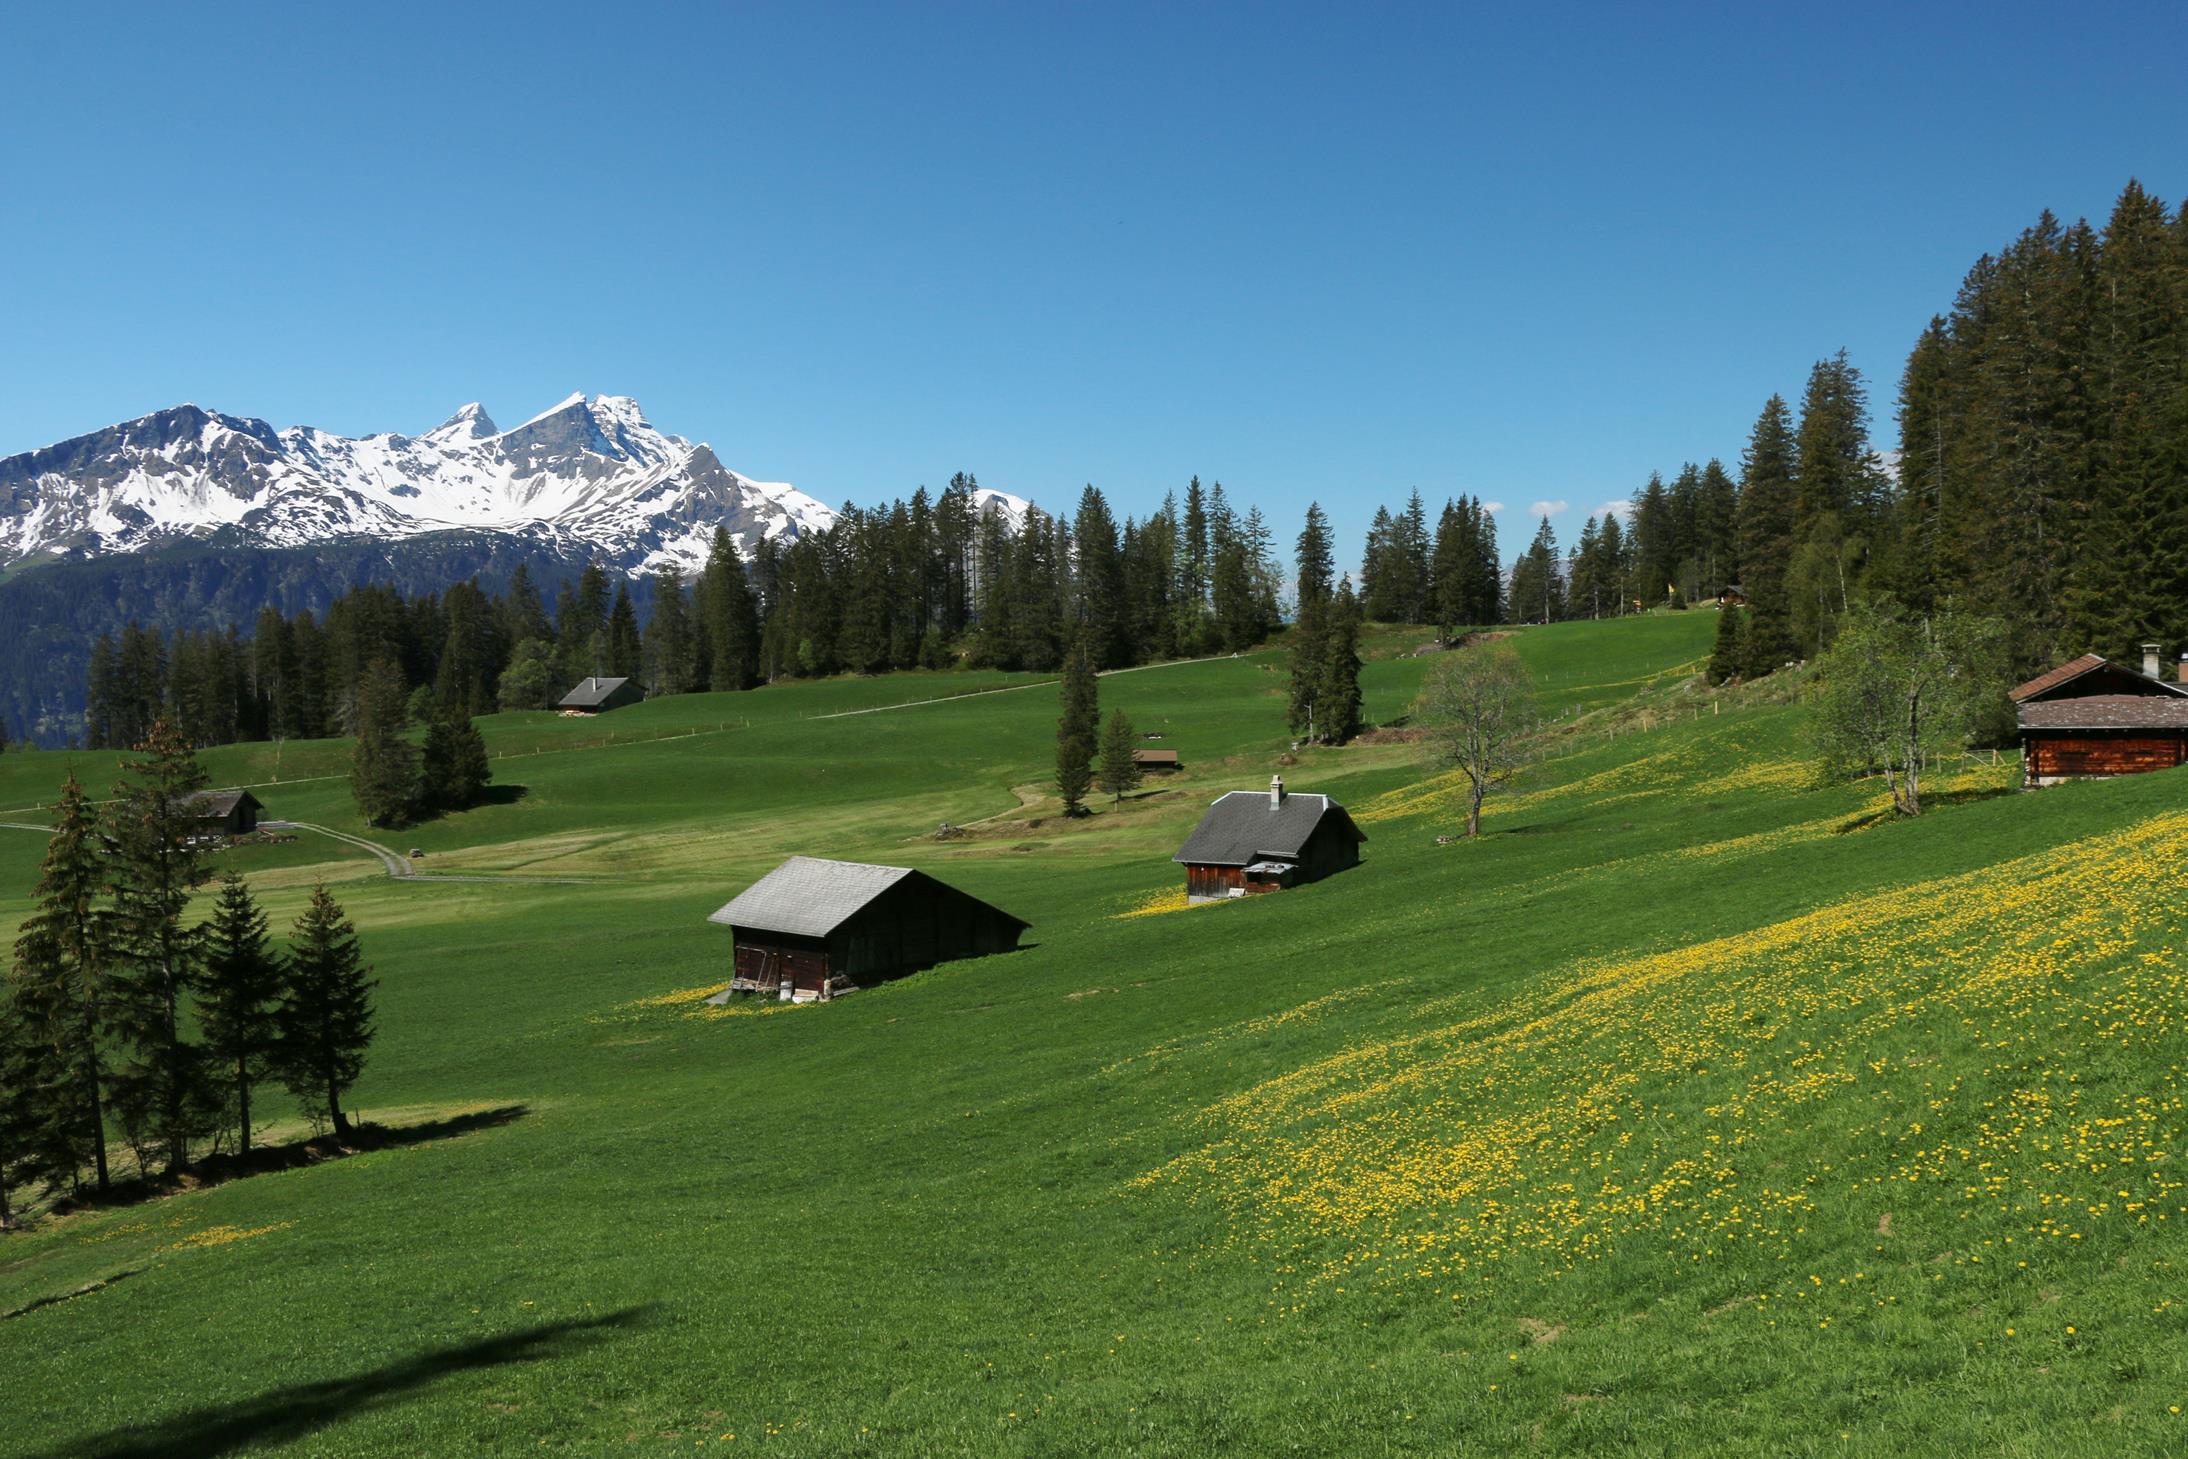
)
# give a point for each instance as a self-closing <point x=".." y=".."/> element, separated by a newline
<point x="591" y="693"/>
<point x="211" y="803"/>
<point x="2107" y="711"/>
<point x="809" y="897"/>
<point x="1246" y="826"/>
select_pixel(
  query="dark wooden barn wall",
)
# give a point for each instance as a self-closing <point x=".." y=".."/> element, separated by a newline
<point x="2067" y="753"/>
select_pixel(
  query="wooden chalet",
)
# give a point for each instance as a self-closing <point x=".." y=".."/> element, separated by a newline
<point x="811" y="929"/>
<point x="2092" y="717"/>
<point x="1161" y="761"/>
<point x="1250" y="842"/>
<point x="225" y="812"/>
<point x="1731" y="597"/>
<point x="598" y="696"/>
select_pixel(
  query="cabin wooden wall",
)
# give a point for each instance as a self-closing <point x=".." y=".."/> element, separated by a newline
<point x="764" y="959"/>
<point x="1214" y="881"/>
<point x="2062" y="753"/>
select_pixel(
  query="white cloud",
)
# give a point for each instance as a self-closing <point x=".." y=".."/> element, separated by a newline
<point x="1547" y="509"/>
<point x="1623" y="510"/>
<point x="1492" y="506"/>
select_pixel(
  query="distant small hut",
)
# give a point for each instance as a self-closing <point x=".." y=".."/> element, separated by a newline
<point x="1731" y="597"/>
<point x="1249" y="843"/>
<point x="598" y="696"/>
<point x="812" y="928"/>
<point x="225" y="812"/>
<point x="2091" y="717"/>
<point x="1158" y="761"/>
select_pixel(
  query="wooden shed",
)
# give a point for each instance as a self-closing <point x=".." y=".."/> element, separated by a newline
<point x="813" y="928"/>
<point x="1250" y="842"/>
<point x="1731" y="597"/>
<point x="1162" y="761"/>
<point x="2091" y="717"/>
<point x="225" y="812"/>
<point x="598" y="696"/>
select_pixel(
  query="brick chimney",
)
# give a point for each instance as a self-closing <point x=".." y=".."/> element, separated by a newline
<point x="2150" y="661"/>
<point x="1276" y="790"/>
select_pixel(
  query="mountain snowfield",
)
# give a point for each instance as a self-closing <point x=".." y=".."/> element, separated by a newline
<point x="592" y="476"/>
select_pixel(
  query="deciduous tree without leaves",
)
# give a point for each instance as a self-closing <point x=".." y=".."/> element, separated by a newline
<point x="1479" y="705"/>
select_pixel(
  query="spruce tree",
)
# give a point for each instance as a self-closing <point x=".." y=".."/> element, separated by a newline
<point x="383" y="764"/>
<point x="325" y="1017"/>
<point x="238" y="998"/>
<point x="157" y="862"/>
<point x="669" y="641"/>
<point x="1340" y="676"/>
<point x="453" y="767"/>
<point x="1077" y="727"/>
<point x="625" y="651"/>
<point x="1766" y="539"/>
<point x="732" y="617"/>
<point x="33" y="1100"/>
<point x="1727" y="654"/>
<point x="1119" y="771"/>
<point x="62" y="961"/>
<point x="1098" y="581"/>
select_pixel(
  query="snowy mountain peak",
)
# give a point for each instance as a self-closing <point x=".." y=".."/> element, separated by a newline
<point x="588" y="475"/>
<point x="471" y="423"/>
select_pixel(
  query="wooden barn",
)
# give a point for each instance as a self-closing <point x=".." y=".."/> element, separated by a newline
<point x="226" y="812"/>
<point x="811" y="928"/>
<point x="2091" y="717"/>
<point x="1159" y="761"/>
<point x="1732" y="597"/>
<point x="598" y="696"/>
<point x="1251" y="842"/>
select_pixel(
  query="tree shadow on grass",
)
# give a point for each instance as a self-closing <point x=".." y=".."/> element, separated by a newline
<point x="289" y="1414"/>
<point x="219" y="1169"/>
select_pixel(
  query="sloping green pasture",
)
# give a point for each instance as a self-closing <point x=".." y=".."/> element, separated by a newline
<point x="1693" y="1108"/>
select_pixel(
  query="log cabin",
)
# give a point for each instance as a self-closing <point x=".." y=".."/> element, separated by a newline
<point x="1249" y="843"/>
<point x="225" y="812"/>
<point x="2091" y="717"/>
<point x="598" y="696"/>
<point x="1160" y="761"/>
<point x="812" y="929"/>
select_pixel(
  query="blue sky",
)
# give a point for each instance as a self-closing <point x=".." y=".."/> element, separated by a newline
<point x="1325" y="252"/>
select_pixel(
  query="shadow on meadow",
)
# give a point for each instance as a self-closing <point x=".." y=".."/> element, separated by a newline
<point x="224" y="1166"/>
<point x="287" y="1414"/>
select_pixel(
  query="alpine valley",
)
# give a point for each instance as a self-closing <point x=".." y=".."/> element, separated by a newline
<point x="190" y="518"/>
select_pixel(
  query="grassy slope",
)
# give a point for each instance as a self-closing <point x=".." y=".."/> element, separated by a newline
<point x="1676" y="1114"/>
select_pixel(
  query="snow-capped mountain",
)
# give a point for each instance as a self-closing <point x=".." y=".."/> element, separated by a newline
<point x="589" y="475"/>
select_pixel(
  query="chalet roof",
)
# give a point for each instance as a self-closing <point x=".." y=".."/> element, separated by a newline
<point x="2134" y="682"/>
<point x="2052" y="678"/>
<point x="1246" y="826"/>
<point x="1155" y="757"/>
<point x="592" y="693"/>
<point x="809" y="896"/>
<point x="2108" y="711"/>
<point x="212" y="803"/>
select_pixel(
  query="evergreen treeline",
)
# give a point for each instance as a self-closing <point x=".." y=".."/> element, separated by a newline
<point x="1451" y="579"/>
<point x="123" y="1012"/>
<point x="2043" y="465"/>
<point x="917" y="583"/>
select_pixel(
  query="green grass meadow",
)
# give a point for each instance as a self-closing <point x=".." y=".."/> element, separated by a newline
<point x="1695" y="1108"/>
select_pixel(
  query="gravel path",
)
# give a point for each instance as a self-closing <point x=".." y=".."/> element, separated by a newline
<point x="399" y="867"/>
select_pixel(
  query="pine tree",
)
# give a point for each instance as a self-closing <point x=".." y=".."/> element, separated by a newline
<point x="325" y="1017"/>
<point x="238" y="998"/>
<point x="1768" y="470"/>
<point x="669" y="648"/>
<point x="453" y="767"/>
<point x="1309" y="650"/>
<point x="63" y="959"/>
<point x="384" y="764"/>
<point x="626" y="654"/>
<point x="1340" y="676"/>
<point x="1098" y="581"/>
<point x="732" y="617"/>
<point x="34" y="1143"/>
<point x="158" y="861"/>
<point x="1077" y="727"/>
<point x="1727" y="654"/>
<point x="1119" y="771"/>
